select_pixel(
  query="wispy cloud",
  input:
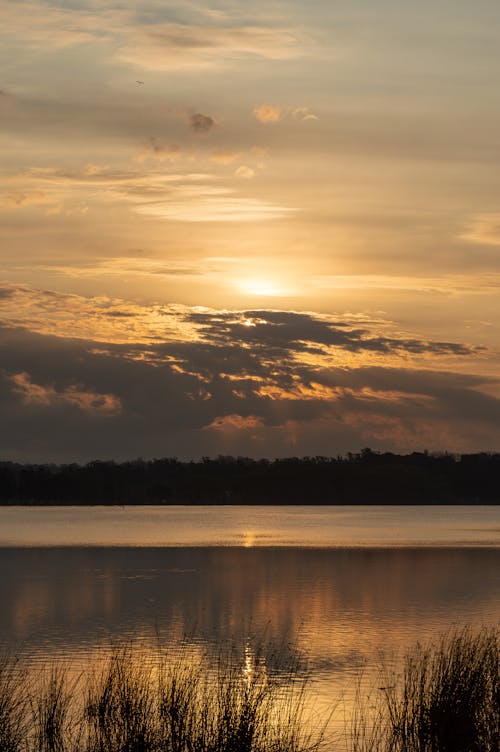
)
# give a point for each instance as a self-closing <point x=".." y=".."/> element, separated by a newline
<point x="243" y="171"/>
<point x="173" y="46"/>
<point x="206" y="204"/>
<point x="180" y="196"/>
<point x="58" y="26"/>
<point x="271" y="113"/>
<point x="21" y="198"/>
<point x="150" y="45"/>
<point x="484" y="229"/>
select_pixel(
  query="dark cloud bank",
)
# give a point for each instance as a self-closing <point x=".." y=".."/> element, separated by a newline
<point x="237" y="389"/>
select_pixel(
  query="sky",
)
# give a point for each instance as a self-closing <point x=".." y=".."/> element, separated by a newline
<point x="262" y="229"/>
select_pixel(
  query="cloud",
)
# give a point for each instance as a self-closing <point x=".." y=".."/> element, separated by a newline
<point x="208" y="205"/>
<point x="153" y="380"/>
<point x="59" y="27"/>
<point x="225" y="157"/>
<point x="268" y="113"/>
<point x="133" y="38"/>
<point x="201" y="123"/>
<point x="65" y="399"/>
<point x="24" y="198"/>
<point x="179" y="196"/>
<point x="39" y="394"/>
<point x="260" y="333"/>
<point x="157" y="150"/>
<point x="484" y="229"/>
<point x="277" y="332"/>
<point x="119" y="266"/>
<point x="171" y="46"/>
<point x="244" y="172"/>
<point x="303" y="113"/>
<point x="235" y="423"/>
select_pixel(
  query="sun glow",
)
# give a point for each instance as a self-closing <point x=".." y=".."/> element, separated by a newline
<point x="261" y="287"/>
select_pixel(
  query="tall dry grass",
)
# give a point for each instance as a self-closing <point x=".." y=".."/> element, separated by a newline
<point x="137" y="702"/>
<point x="446" y="699"/>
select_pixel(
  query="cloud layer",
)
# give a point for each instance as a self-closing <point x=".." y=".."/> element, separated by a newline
<point x="266" y="228"/>
<point x="184" y="382"/>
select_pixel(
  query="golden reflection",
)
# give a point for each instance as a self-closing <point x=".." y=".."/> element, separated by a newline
<point x="248" y="665"/>
<point x="249" y="539"/>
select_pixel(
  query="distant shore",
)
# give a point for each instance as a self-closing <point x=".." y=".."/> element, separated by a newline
<point x="367" y="477"/>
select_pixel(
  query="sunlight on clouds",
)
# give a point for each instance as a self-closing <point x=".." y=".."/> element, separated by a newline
<point x="235" y="423"/>
<point x="17" y="200"/>
<point x="299" y="168"/>
<point x="451" y="284"/>
<point x="59" y="27"/>
<point x="268" y="113"/>
<point x="484" y="229"/>
<point x="39" y="394"/>
<point x="170" y="46"/>
<point x="235" y="378"/>
<point x="134" y="266"/>
<point x="225" y="157"/>
<point x="213" y="209"/>
<point x="244" y="172"/>
<point x="150" y="46"/>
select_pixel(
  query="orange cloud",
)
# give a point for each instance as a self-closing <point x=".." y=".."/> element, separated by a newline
<point x="235" y="423"/>
<point x="268" y="113"/>
<point x="107" y="404"/>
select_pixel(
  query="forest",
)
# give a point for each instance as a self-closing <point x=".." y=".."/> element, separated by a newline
<point x="367" y="477"/>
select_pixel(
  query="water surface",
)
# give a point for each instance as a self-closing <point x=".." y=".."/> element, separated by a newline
<point x="299" y="526"/>
<point x="343" y="584"/>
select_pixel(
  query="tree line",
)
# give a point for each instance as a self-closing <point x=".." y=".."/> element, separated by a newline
<point x="367" y="477"/>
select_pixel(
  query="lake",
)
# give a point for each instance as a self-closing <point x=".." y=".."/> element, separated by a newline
<point x="345" y="585"/>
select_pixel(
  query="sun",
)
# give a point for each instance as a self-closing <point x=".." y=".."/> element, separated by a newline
<point x="261" y="287"/>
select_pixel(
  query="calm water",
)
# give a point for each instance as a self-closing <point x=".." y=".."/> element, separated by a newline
<point x="298" y="526"/>
<point x="344" y="584"/>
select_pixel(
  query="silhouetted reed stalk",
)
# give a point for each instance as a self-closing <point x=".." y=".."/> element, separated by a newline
<point x="447" y="699"/>
<point x="138" y="702"/>
<point x="13" y="716"/>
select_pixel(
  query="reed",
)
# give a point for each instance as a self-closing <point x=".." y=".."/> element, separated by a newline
<point x="13" y="706"/>
<point x="447" y="699"/>
<point x="144" y="702"/>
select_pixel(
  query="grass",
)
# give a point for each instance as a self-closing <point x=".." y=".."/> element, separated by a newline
<point x="139" y="702"/>
<point x="446" y="698"/>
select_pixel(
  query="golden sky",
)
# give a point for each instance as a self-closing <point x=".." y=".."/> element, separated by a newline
<point x="262" y="228"/>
